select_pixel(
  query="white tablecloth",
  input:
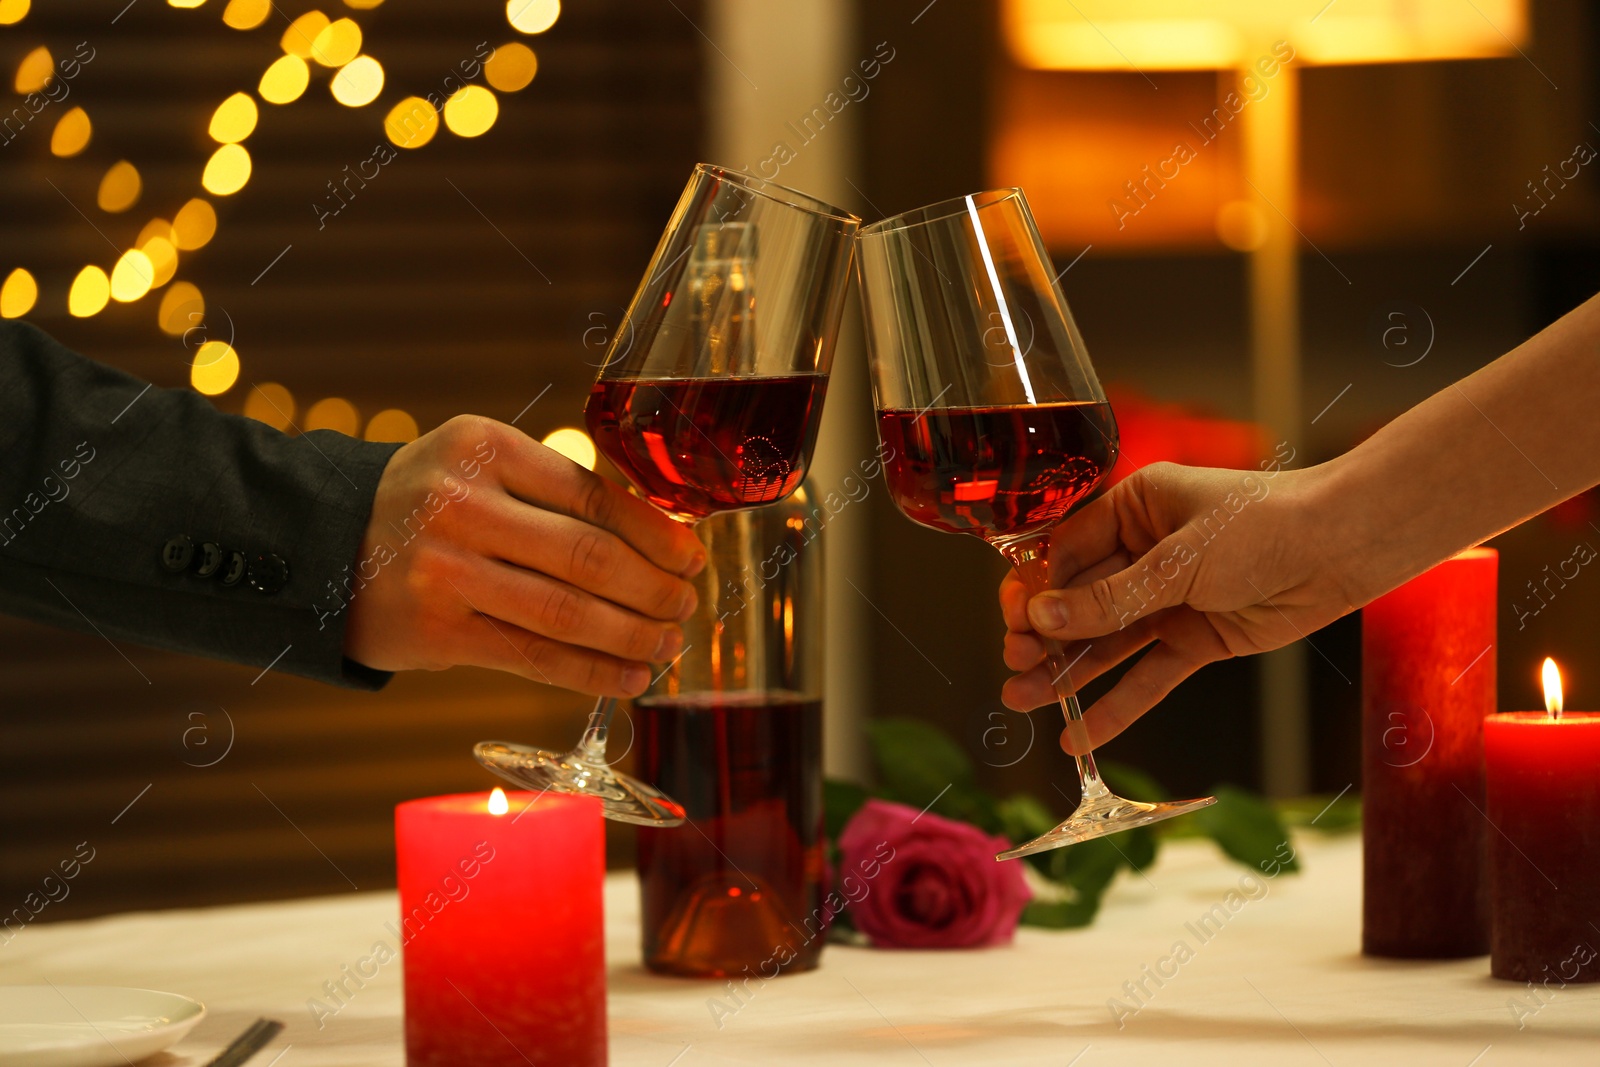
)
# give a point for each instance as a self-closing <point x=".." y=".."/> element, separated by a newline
<point x="1281" y="982"/>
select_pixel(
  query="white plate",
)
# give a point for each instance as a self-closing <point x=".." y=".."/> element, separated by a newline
<point x="89" y="1026"/>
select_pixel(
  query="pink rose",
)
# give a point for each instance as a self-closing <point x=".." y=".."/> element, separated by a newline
<point x="927" y="882"/>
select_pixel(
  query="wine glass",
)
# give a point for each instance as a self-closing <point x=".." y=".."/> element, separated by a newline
<point x="992" y="416"/>
<point x="709" y="400"/>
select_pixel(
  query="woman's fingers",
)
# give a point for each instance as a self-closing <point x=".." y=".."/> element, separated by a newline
<point x="1185" y="642"/>
<point x="1155" y="581"/>
<point x="1086" y="661"/>
<point x="1014" y="597"/>
<point x="1135" y="693"/>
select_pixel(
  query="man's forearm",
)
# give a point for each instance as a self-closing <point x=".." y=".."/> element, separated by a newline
<point x="1509" y="441"/>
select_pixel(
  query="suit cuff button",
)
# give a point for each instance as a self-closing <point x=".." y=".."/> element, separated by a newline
<point x="233" y="568"/>
<point x="268" y="574"/>
<point x="176" y="553"/>
<point x="208" y="559"/>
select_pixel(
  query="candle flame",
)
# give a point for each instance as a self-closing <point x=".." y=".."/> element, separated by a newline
<point x="1552" y="688"/>
<point x="498" y="805"/>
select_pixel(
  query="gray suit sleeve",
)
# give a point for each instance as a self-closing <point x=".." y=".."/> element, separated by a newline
<point x="105" y="479"/>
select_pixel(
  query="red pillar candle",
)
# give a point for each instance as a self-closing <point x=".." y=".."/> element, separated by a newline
<point x="1427" y="683"/>
<point x="501" y="922"/>
<point x="1544" y="863"/>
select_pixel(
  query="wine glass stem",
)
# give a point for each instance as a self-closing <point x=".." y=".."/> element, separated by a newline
<point x="1031" y="558"/>
<point x="1088" y="773"/>
<point x="592" y="747"/>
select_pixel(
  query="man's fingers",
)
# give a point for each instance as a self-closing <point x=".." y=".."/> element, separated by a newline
<point x="555" y="609"/>
<point x="1135" y="693"/>
<point x="545" y="478"/>
<point x="503" y="646"/>
<point x="1081" y="612"/>
<point x="582" y="555"/>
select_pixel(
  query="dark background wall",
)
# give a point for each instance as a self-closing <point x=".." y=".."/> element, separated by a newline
<point x="462" y="278"/>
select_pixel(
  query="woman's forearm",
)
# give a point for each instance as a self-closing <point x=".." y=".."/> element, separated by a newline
<point x="1481" y="455"/>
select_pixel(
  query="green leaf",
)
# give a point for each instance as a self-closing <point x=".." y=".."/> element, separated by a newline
<point x="1023" y="818"/>
<point x="1138" y="846"/>
<point x="1088" y="867"/>
<point x="1087" y="870"/>
<point x="1130" y="782"/>
<point x="966" y="803"/>
<point x="1247" y="828"/>
<point x="1330" y="815"/>
<point x="916" y="760"/>
<point x="1061" y="914"/>
<point x="840" y="800"/>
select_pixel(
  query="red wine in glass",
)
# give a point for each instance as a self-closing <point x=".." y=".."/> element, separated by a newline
<point x="694" y="446"/>
<point x="997" y="472"/>
<point x="747" y="769"/>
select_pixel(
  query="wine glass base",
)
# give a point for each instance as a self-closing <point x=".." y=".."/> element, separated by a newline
<point x="1106" y="814"/>
<point x="623" y="797"/>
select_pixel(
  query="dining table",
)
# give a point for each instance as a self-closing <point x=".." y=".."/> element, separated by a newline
<point x="1196" y="960"/>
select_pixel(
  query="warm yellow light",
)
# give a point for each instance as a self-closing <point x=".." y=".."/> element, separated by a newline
<point x="131" y="277"/>
<point x="120" y="188"/>
<point x="337" y="44"/>
<point x="194" y="225"/>
<point x="285" y="80"/>
<point x="163" y="260"/>
<point x="498" y="804"/>
<point x="13" y="11"/>
<point x="574" y="444"/>
<point x="362" y="5"/>
<point x="227" y="171"/>
<point x="533" y="16"/>
<point x="270" y="403"/>
<point x="153" y="228"/>
<point x="246" y="14"/>
<point x="215" y="368"/>
<point x="511" y="67"/>
<point x="333" y="413"/>
<point x="470" y="111"/>
<point x="1148" y="35"/>
<point x="35" y="70"/>
<point x="301" y="35"/>
<point x="391" y="424"/>
<point x="411" y="123"/>
<point x="182" y="309"/>
<point x="234" y="119"/>
<point x="71" y="134"/>
<point x="19" y="293"/>
<point x="1241" y="225"/>
<point x="185" y="3"/>
<point x="90" y="291"/>
<point x="1552" y="688"/>
<point x="358" y="82"/>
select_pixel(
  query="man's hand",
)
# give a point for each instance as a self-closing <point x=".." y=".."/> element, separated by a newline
<point x="1203" y="564"/>
<point x="487" y="548"/>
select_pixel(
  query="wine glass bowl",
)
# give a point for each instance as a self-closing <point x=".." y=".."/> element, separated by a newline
<point x="991" y="416"/>
<point x="709" y="400"/>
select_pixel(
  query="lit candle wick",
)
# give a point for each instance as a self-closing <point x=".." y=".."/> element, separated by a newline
<point x="498" y="804"/>
<point x="1552" y="689"/>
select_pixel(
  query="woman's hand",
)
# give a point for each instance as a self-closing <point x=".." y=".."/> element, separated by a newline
<point x="487" y="548"/>
<point x="1202" y="564"/>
